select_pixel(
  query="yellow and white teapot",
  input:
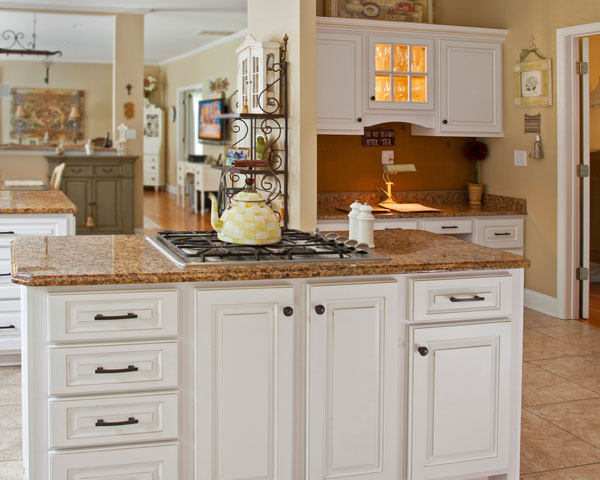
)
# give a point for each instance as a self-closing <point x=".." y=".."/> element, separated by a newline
<point x="247" y="221"/>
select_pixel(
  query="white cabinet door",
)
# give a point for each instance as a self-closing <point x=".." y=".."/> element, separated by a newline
<point x="352" y="382"/>
<point x="470" y="88"/>
<point x="460" y="399"/>
<point x="339" y="71"/>
<point x="244" y="383"/>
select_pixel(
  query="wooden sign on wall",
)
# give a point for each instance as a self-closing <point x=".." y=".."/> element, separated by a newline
<point x="380" y="137"/>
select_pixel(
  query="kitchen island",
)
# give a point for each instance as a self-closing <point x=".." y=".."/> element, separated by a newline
<point x="385" y="369"/>
<point x="25" y="213"/>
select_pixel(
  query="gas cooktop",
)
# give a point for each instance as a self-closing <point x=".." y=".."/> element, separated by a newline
<point x="188" y="248"/>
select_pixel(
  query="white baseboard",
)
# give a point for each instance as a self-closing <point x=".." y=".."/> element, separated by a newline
<point x="541" y="303"/>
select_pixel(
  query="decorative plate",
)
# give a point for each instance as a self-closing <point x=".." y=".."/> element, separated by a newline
<point x="371" y="10"/>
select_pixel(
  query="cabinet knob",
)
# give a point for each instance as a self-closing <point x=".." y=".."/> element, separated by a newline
<point x="445" y="122"/>
<point x="320" y="309"/>
<point x="423" y="351"/>
<point x="359" y="119"/>
<point x="373" y="97"/>
<point x="288" y="311"/>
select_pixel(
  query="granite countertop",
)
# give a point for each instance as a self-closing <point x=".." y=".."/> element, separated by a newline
<point x="131" y="259"/>
<point x="451" y="204"/>
<point x="35" y="201"/>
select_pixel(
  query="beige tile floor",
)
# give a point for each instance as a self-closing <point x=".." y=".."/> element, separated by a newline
<point x="560" y="437"/>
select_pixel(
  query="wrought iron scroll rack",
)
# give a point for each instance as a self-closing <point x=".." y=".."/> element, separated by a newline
<point x="270" y="179"/>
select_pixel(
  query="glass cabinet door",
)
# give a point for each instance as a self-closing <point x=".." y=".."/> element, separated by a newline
<point x="401" y="74"/>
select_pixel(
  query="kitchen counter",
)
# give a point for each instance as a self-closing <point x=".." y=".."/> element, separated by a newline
<point x="131" y="259"/>
<point x="451" y="204"/>
<point x="35" y="202"/>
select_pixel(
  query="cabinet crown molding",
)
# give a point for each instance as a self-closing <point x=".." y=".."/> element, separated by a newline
<point x="397" y="27"/>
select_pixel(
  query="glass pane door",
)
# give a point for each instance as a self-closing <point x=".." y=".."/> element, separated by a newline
<point x="401" y="73"/>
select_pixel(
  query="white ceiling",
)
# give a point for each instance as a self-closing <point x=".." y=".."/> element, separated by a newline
<point x="171" y="26"/>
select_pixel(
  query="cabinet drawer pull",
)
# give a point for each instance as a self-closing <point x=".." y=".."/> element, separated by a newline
<point x="6" y="327"/>
<point x="107" y="170"/>
<point x="445" y="122"/>
<point x="474" y="298"/>
<point x="450" y="226"/>
<point x="320" y="309"/>
<point x="130" y="368"/>
<point x="115" y="317"/>
<point x="498" y="234"/>
<point x="76" y="170"/>
<point x="288" y="311"/>
<point x="373" y="97"/>
<point x="4" y="274"/>
<point x="423" y="351"/>
<point x="7" y="233"/>
<point x="129" y="421"/>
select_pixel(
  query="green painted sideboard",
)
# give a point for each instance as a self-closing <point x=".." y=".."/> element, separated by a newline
<point x="102" y="188"/>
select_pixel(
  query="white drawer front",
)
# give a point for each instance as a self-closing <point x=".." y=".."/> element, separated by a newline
<point x="396" y="224"/>
<point x="142" y="463"/>
<point x="113" y="368"/>
<point x="28" y="225"/>
<point x="459" y="298"/>
<point x="100" y="316"/>
<point x="105" y="421"/>
<point x="449" y="226"/>
<point x="8" y="291"/>
<point x="5" y="270"/>
<point x="500" y="233"/>
<point x="10" y="318"/>
<point x="150" y="178"/>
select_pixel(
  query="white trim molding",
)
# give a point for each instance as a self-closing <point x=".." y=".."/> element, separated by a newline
<point x="208" y="46"/>
<point x="541" y="303"/>
<point x="567" y="105"/>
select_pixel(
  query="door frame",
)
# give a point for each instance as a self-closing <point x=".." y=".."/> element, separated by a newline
<point x="181" y="119"/>
<point x="568" y="150"/>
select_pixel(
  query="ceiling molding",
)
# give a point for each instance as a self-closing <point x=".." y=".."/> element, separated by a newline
<point x="45" y="7"/>
<point x="203" y="48"/>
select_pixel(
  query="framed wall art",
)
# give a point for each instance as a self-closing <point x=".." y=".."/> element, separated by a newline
<point x="416" y="11"/>
<point x="533" y="83"/>
<point x="45" y="110"/>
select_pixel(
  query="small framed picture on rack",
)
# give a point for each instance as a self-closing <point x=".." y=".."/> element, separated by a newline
<point x="234" y="154"/>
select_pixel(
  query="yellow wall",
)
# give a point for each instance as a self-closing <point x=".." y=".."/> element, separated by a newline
<point x="594" y="82"/>
<point x="269" y="20"/>
<point x="219" y="61"/>
<point x="538" y="181"/>
<point x="128" y="68"/>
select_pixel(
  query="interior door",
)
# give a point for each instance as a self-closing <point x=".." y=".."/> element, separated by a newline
<point x="585" y="182"/>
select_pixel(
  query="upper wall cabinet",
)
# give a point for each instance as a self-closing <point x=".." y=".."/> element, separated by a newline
<point x="445" y="80"/>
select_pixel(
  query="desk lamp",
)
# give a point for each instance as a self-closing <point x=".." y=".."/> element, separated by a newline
<point x="390" y="170"/>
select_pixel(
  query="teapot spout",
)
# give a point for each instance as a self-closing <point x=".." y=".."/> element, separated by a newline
<point x="215" y="221"/>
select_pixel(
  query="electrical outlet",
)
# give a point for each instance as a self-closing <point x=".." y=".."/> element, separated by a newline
<point x="387" y="157"/>
<point x="131" y="134"/>
<point x="520" y="158"/>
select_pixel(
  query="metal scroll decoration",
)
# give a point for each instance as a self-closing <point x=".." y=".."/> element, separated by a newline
<point x="266" y="136"/>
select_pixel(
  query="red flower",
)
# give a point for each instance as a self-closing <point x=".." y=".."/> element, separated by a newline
<point x="475" y="150"/>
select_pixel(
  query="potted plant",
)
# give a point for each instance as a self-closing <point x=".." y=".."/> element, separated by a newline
<point x="475" y="151"/>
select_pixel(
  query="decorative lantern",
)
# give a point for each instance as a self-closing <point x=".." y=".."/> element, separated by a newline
<point x="258" y="91"/>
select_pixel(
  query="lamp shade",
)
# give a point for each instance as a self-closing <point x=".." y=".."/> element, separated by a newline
<point x="74" y="114"/>
<point x="20" y="112"/>
<point x="595" y="96"/>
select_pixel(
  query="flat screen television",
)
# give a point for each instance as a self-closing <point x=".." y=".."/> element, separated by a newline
<point x="210" y="128"/>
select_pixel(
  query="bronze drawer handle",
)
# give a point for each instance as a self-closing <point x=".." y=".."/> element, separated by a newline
<point x="502" y="234"/>
<point x="129" y="421"/>
<point x="107" y="170"/>
<point x="453" y="226"/>
<point x="4" y="274"/>
<point x="7" y="233"/>
<point x="130" y="368"/>
<point x="115" y="317"/>
<point x="474" y="298"/>
<point x="76" y="170"/>
<point x="5" y="327"/>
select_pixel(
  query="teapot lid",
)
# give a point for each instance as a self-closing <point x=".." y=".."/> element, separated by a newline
<point x="249" y="193"/>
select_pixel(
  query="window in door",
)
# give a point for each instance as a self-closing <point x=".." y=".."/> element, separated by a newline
<point x="401" y="74"/>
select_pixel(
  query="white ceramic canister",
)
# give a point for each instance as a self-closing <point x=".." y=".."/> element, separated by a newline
<point x="353" y="220"/>
<point x="366" y="225"/>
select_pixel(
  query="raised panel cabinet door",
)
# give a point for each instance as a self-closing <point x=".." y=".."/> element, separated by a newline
<point x="471" y="88"/>
<point x="77" y="190"/>
<point x="460" y="400"/>
<point x="352" y="382"/>
<point x="107" y="212"/>
<point x="245" y="383"/>
<point x="339" y="92"/>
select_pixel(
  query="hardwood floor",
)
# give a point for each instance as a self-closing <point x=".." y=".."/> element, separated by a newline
<point x="594" y="305"/>
<point x="161" y="207"/>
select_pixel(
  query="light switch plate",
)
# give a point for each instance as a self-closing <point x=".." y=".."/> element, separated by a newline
<point x="520" y="158"/>
<point x="131" y="134"/>
<point x="387" y="157"/>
